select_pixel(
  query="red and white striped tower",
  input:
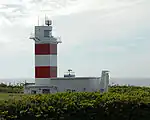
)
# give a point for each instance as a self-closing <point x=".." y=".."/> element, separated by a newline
<point x="45" y="54"/>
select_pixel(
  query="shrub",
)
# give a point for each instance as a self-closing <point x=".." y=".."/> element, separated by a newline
<point x="130" y="104"/>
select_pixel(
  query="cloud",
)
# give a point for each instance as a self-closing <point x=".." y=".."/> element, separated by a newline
<point x="19" y="9"/>
<point x="96" y="35"/>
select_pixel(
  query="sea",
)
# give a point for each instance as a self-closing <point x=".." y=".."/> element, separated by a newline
<point x="118" y="81"/>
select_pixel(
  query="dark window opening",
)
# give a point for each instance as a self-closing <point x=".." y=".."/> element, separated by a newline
<point x="33" y="92"/>
<point x="47" y="33"/>
<point x="46" y="91"/>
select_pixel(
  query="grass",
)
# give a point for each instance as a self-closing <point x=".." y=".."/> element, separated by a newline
<point x="7" y="96"/>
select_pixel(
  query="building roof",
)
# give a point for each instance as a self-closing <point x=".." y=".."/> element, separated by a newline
<point x="74" y="78"/>
<point x="64" y="78"/>
<point x="40" y="86"/>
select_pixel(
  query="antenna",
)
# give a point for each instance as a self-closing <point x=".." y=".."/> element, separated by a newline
<point x="45" y="17"/>
<point x="38" y="20"/>
<point x="47" y="21"/>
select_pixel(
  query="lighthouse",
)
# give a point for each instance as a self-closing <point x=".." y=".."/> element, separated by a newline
<point x="46" y="79"/>
<point x="45" y="53"/>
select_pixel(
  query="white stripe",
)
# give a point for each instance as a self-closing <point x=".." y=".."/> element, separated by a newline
<point x="42" y="81"/>
<point x="45" y="60"/>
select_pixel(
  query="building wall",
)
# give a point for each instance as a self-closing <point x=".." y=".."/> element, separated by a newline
<point x="89" y="85"/>
<point x="42" y="81"/>
<point x="39" y="32"/>
<point x="46" y="60"/>
<point x="39" y="90"/>
<point x="78" y="85"/>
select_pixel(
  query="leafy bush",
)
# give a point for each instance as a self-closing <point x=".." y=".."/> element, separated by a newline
<point x="120" y="103"/>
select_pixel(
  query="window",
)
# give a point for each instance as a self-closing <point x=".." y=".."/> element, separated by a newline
<point x="46" y="91"/>
<point x="68" y="90"/>
<point x="33" y="92"/>
<point x="73" y="90"/>
<point x="84" y="89"/>
<point x="47" y="33"/>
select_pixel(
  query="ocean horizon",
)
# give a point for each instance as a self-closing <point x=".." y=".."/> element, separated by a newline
<point x="119" y="81"/>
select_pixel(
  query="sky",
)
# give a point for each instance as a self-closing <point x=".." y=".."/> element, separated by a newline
<point x="96" y="35"/>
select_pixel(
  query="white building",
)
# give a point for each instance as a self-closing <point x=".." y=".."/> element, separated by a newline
<point x="78" y="84"/>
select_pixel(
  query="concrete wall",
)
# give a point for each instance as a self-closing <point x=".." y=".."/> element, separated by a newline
<point x="39" y="32"/>
<point x="39" y="90"/>
<point x="45" y="60"/>
<point x="79" y="85"/>
<point x="42" y="81"/>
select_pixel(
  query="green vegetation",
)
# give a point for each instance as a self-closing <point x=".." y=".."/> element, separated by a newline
<point x="11" y="91"/>
<point x="11" y="88"/>
<point x="120" y="103"/>
<point x="7" y="96"/>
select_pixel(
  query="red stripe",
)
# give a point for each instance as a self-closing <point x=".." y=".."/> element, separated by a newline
<point x="42" y="72"/>
<point x="45" y="72"/>
<point x="53" y="48"/>
<point x="53" y="72"/>
<point x="44" y="49"/>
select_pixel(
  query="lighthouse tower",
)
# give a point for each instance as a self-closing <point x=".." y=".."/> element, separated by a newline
<point x="45" y="53"/>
